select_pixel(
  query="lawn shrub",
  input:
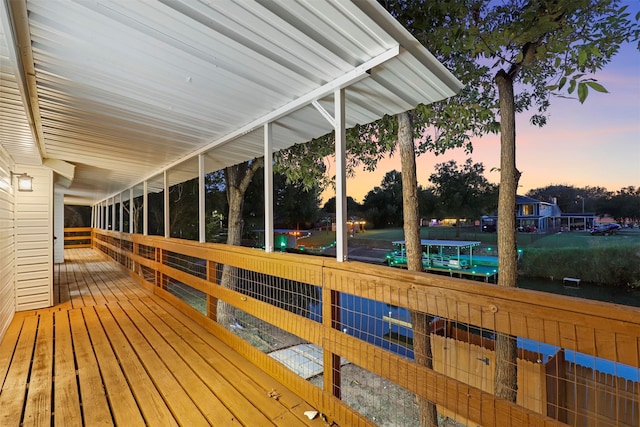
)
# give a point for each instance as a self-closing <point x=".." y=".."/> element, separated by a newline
<point x="617" y="266"/>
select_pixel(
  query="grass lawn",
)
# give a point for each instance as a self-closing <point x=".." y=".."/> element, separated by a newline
<point x="579" y="239"/>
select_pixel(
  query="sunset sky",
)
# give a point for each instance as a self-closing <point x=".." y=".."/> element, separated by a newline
<point x="592" y="144"/>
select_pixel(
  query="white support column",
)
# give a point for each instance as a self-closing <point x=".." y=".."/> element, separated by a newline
<point x="131" y="230"/>
<point x="58" y="228"/>
<point x="93" y="216"/>
<point x="167" y="226"/>
<point x="113" y="213"/>
<point x="107" y="215"/>
<point x="145" y="208"/>
<point x="202" y="231"/>
<point x="268" y="189"/>
<point x="121" y="222"/>
<point x="341" y="177"/>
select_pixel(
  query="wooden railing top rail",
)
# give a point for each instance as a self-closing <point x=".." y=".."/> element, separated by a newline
<point x="78" y="229"/>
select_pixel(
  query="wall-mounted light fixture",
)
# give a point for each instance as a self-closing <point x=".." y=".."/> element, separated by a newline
<point x="25" y="182"/>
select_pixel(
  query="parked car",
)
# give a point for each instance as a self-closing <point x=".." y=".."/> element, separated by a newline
<point x="605" y="230"/>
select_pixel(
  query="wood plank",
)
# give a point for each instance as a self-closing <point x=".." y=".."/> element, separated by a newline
<point x="9" y="344"/>
<point x="192" y="372"/>
<point x="15" y="384"/>
<point x="151" y="403"/>
<point x="197" y="336"/>
<point x="38" y="405"/>
<point x="95" y="408"/>
<point x="75" y="291"/>
<point x="204" y="363"/>
<point x="123" y="405"/>
<point x="66" y="409"/>
<point x="183" y="408"/>
<point x="122" y="287"/>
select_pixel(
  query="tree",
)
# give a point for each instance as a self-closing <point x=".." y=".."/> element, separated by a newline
<point x="383" y="204"/>
<point x="428" y="203"/>
<point x="237" y="179"/>
<point x="183" y="207"/>
<point x="353" y="207"/>
<point x="572" y="199"/>
<point x="625" y="204"/>
<point x="463" y="192"/>
<point x="537" y="47"/>
<point x="294" y="204"/>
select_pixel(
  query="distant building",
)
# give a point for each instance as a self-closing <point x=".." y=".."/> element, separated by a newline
<point x="534" y="215"/>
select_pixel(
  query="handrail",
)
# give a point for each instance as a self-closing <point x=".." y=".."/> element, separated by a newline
<point x="592" y="328"/>
<point x="77" y="237"/>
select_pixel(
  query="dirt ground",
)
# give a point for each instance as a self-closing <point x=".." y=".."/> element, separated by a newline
<point x="381" y="401"/>
<point x="378" y="399"/>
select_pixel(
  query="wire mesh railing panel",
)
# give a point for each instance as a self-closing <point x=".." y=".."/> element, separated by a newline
<point x="263" y="335"/>
<point x="195" y="298"/>
<point x="148" y="252"/>
<point x="410" y="334"/>
<point x="148" y="274"/>
<point x="296" y="297"/>
<point x="185" y="263"/>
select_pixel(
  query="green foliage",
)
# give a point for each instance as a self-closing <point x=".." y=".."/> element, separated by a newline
<point x="617" y="265"/>
<point x="621" y="204"/>
<point x="294" y="205"/>
<point x="463" y="191"/>
<point x="383" y="204"/>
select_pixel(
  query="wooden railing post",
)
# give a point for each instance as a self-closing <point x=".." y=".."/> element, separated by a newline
<point x="212" y="302"/>
<point x="159" y="255"/>
<point x="331" y="361"/>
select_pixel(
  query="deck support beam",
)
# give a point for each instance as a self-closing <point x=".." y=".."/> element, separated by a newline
<point x="202" y="234"/>
<point x="167" y="226"/>
<point x="341" y="176"/>
<point x="113" y="213"/>
<point x="121" y="213"/>
<point x="268" y="189"/>
<point x="131" y="228"/>
<point x="145" y="208"/>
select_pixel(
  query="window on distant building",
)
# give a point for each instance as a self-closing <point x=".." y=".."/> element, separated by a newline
<point x="528" y="210"/>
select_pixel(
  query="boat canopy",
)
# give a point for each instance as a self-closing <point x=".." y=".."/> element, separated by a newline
<point x="458" y="244"/>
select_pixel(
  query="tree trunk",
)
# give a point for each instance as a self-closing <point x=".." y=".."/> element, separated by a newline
<point x="506" y="378"/>
<point x="237" y="179"/>
<point x="420" y="322"/>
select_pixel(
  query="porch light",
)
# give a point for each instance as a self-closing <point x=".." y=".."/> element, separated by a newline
<point x="25" y="182"/>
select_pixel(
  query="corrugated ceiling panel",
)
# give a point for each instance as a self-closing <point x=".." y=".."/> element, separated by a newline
<point x="127" y="88"/>
<point x="15" y="133"/>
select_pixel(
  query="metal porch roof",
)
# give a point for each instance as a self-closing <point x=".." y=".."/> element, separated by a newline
<point x="124" y="89"/>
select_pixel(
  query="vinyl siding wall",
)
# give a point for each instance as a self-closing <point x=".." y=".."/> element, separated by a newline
<point x="7" y="246"/>
<point x="34" y="241"/>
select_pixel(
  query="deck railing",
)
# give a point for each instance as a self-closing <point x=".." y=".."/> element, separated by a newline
<point x="77" y="237"/>
<point x="578" y="360"/>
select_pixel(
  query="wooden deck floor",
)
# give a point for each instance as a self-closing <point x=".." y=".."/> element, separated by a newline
<point x="110" y="353"/>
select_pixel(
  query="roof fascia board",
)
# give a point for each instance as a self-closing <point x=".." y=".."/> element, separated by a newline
<point x="14" y="17"/>
<point x="353" y="76"/>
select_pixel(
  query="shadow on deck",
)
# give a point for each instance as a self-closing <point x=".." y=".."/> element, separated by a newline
<point x="111" y="353"/>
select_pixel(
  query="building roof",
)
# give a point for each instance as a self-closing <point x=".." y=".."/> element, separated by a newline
<point x="110" y="94"/>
